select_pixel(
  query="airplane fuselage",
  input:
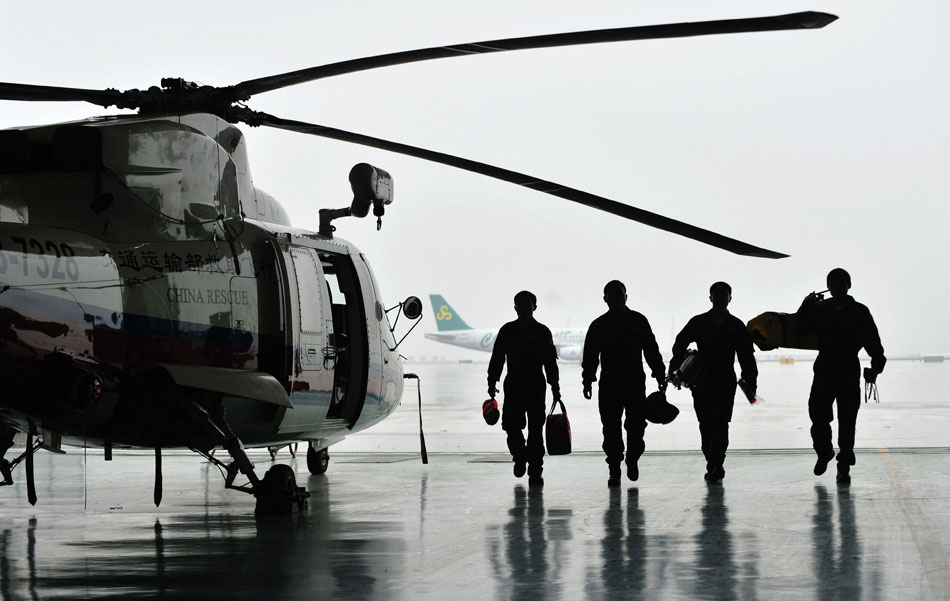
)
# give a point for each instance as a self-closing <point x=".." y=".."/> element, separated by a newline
<point x="569" y="341"/>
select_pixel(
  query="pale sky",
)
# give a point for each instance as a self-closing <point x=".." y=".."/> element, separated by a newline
<point x="829" y="145"/>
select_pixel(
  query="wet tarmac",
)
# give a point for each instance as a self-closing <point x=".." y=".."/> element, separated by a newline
<point x="384" y="526"/>
<point x="913" y="412"/>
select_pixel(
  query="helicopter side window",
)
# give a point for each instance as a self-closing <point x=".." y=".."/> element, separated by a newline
<point x="338" y="308"/>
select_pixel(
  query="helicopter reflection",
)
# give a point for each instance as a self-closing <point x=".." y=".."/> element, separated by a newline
<point x="190" y="556"/>
<point x="14" y="325"/>
<point x="837" y="567"/>
<point x="9" y="581"/>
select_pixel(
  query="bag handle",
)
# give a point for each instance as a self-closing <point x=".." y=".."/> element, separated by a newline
<point x="555" y="404"/>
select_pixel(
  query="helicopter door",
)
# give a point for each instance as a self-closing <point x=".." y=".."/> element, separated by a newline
<point x="310" y="288"/>
<point x="310" y="375"/>
<point x="276" y="296"/>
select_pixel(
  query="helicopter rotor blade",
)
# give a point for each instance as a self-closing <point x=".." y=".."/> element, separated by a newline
<point x="521" y="179"/>
<point x="802" y="20"/>
<point x="20" y="91"/>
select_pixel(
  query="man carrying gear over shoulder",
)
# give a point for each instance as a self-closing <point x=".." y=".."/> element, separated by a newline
<point x="527" y="346"/>
<point x="618" y="341"/>
<point x="844" y="326"/>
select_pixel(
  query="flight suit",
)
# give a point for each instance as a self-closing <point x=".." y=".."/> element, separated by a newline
<point x="618" y="341"/>
<point x="527" y="346"/>
<point x="714" y="392"/>
<point x="842" y="332"/>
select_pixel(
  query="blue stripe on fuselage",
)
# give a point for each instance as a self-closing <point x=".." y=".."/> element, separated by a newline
<point x="63" y="310"/>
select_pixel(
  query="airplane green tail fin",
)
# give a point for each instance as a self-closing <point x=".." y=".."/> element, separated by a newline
<point x="446" y="318"/>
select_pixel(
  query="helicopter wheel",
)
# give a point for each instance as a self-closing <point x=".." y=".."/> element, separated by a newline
<point x="278" y="492"/>
<point x="273" y="452"/>
<point x="317" y="461"/>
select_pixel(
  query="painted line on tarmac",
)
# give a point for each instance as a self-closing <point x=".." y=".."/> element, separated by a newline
<point x="933" y="557"/>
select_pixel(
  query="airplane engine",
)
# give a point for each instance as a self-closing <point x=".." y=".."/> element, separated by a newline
<point x="570" y="353"/>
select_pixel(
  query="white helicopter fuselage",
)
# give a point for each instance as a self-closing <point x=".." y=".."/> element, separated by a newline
<point x="137" y="259"/>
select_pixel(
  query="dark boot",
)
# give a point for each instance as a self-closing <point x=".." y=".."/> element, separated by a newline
<point x="633" y="471"/>
<point x="844" y="473"/>
<point x="822" y="464"/>
<point x="614" y="478"/>
<point x="520" y="468"/>
<point x="715" y="474"/>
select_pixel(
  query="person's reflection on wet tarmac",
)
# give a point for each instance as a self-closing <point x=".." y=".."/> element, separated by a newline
<point x="526" y="535"/>
<point x="623" y="548"/>
<point x="715" y="563"/>
<point x="526" y="545"/>
<point x="837" y="567"/>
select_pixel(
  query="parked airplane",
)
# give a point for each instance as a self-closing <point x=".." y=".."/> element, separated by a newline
<point x="453" y="330"/>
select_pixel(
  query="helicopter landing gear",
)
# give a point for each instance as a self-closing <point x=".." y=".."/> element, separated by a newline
<point x="276" y="449"/>
<point x="6" y="441"/>
<point x="317" y="461"/>
<point x="232" y="444"/>
<point x="5" y="472"/>
<point x="241" y="465"/>
<point x="278" y="492"/>
<point x="6" y="467"/>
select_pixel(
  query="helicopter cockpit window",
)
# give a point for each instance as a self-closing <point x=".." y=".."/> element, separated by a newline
<point x="333" y="285"/>
<point x="338" y="300"/>
<point x="346" y="299"/>
<point x="173" y="171"/>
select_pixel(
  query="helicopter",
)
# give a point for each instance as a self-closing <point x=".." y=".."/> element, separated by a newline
<point x="151" y="296"/>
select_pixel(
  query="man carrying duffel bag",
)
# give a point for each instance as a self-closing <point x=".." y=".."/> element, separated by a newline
<point x="527" y="346"/>
<point x="557" y="430"/>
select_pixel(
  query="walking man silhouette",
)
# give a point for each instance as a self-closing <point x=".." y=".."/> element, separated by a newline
<point x="618" y="341"/>
<point x="720" y="338"/>
<point x="844" y="326"/>
<point x="527" y="346"/>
